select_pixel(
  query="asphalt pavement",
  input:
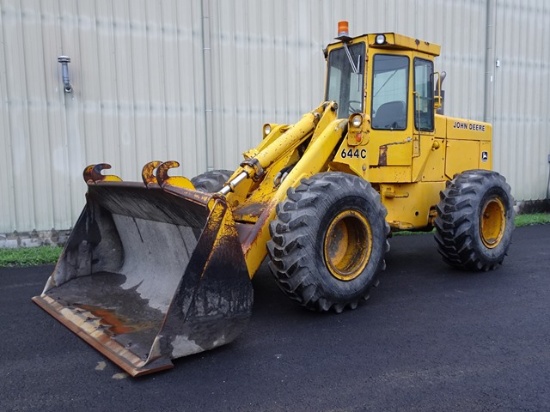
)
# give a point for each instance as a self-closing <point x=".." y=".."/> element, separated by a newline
<point x="431" y="338"/>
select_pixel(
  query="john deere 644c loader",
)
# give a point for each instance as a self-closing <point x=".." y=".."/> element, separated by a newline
<point x="160" y="269"/>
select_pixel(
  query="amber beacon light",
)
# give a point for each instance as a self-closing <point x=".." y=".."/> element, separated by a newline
<point x="343" y="30"/>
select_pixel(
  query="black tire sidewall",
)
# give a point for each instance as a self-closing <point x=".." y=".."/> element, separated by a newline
<point x="496" y="254"/>
<point x="346" y="198"/>
<point x="459" y="235"/>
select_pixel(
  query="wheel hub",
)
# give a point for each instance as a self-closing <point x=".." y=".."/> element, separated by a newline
<point x="347" y="245"/>
<point x="492" y="222"/>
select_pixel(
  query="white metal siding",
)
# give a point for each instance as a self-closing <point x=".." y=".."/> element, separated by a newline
<point x="137" y="72"/>
<point x="195" y="80"/>
<point x="522" y="96"/>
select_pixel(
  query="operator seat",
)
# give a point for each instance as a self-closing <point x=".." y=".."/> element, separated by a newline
<point x="390" y="115"/>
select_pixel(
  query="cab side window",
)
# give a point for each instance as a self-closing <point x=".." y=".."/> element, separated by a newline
<point x="423" y="95"/>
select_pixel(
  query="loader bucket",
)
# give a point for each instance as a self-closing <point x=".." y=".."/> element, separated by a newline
<point x="150" y="274"/>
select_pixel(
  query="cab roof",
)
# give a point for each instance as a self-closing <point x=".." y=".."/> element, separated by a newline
<point x="393" y="41"/>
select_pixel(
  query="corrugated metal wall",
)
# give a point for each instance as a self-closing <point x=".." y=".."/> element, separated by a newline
<point x="195" y="80"/>
<point x="137" y="72"/>
<point x="522" y="95"/>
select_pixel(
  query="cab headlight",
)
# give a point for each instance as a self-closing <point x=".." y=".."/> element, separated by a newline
<point x="356" y="120"/>
<point x="380" y="39"/>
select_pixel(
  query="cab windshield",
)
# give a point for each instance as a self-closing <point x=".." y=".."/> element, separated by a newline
<point x="345" y="78"/>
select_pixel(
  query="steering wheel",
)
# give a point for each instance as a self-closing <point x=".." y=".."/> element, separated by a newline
<point x="354" y="106"/>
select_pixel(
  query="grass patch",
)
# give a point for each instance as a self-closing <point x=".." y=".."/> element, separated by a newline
<point x="29" y="256"/>
<point x="532" y="219"/>
<point x="43" y="255"/>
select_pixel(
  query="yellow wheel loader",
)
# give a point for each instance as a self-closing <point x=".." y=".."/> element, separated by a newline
<point x="159" y="269"/>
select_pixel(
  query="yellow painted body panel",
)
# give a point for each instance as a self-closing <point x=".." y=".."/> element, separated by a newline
<point x="486" y="147"/>
<point x="399" y="41"/>
<point x="467" y="145"/>
<point x="461" y="155"/>
<point x="409" y="205"/>
<point x="351" y="159"/>
<point x="429" y="166"/>
<point x="462" y="129"/>
<point x="395" y="41"/>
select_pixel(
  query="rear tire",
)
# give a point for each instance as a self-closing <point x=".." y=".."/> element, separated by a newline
<point x="475" y="220"/>
<point x="328" y="241"/>
<point x="212" y="181"/>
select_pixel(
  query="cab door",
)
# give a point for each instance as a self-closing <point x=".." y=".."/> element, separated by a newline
<point x="428" y="153"/>
<point x="390" y="154"/>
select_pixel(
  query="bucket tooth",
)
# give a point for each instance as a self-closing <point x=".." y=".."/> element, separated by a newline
<point x="148" y="172"/>
<point x="92" y="174"/>
<point x="178" y="181"/>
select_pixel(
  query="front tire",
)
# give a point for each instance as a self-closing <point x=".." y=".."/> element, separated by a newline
<point x="328" y="241"/>
<point x="475" y="220"/>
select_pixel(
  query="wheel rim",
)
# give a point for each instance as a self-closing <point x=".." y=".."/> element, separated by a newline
<point x="348" y="245"/>
<point x="493" y="222"/>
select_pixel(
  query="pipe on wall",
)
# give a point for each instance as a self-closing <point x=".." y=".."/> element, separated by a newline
<point x="207" y="79"/>
<point x="488" y="96"/>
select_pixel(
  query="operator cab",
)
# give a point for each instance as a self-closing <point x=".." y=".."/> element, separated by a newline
<point x="371" y="74"/>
